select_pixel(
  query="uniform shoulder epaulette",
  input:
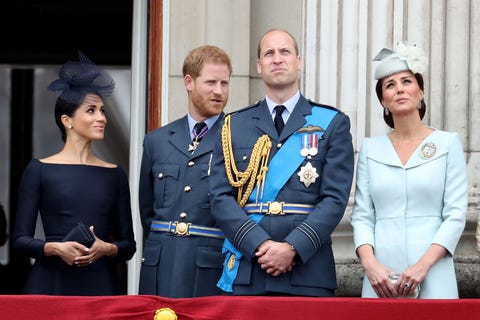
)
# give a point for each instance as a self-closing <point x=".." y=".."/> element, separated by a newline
<point x="253" y="105"/>
<point x="313" y="103"/>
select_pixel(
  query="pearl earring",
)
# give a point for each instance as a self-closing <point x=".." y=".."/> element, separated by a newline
<point x="70" y="127"/>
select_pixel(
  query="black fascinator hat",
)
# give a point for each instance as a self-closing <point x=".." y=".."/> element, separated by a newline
<point x="77" y="78"/>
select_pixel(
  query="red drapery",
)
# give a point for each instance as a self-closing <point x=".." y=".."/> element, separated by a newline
<point x="233" y="308"/>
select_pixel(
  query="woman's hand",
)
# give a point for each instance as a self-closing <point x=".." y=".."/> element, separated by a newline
<point x="67" y="251"/>
<point x="376" y="273"/>
<point x="410" y="279"/>
<point x="98" y="249"/>
<point x="415" y="274"/>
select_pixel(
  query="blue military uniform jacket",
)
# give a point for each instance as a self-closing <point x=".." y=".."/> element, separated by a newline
<point x="174" y="187"/>
<point x="314" y="272"/>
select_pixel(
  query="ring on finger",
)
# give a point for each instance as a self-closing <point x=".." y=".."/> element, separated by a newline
<point x="407" y="285"/>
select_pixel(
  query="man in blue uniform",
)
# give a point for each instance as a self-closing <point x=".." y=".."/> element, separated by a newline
<point x="280" y="183"/>
<point x="182" y="254"/>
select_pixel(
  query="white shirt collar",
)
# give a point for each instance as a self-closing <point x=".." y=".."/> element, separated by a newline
<point x="289" y="105"/>
<point x="191" y="123"/>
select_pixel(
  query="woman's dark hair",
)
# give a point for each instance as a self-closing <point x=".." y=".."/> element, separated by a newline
<point x="388" y="117"/>
<point x="63" y="107"/>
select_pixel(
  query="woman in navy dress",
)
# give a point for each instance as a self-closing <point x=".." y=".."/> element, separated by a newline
<point x="75" y="186"/>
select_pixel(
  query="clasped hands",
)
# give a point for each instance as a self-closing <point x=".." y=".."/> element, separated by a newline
<point x="404" y="286"/>
<point x="276" y="258"/>
<point x="74" y="253"/>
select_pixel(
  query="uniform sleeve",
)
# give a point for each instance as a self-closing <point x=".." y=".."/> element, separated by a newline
<point x="336" y="184"/>
<point x="363" y="215"/>
<point x="125" y="240"/>
<point x="145" y="196"/>
<point x="455" y="197"/>
<point x="27" y="212"/>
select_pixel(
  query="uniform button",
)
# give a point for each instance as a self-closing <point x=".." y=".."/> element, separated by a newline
<point x="143" y="259"/>
<point x="190" y="163"/>
<point x="183" y="215"/>
<point x="279" y="145"/>
<point x="244" y="157"/>
<point x="187" y="189"/>
<point x="160" y="175"/>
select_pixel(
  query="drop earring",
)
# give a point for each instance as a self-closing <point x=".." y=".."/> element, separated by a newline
<point x="419" y="105"/>
<point x="387" y="112"/>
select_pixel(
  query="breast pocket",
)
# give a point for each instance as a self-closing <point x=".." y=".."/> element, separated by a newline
<point x="307" y="177"/>
<point x="165" y="184"/>
<point x="242" y="158"/>
<point x="197" y="177"/>
<point x="204" y="172"/>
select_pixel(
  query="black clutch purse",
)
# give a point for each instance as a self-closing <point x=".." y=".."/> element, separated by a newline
<point x="81" y="234"/>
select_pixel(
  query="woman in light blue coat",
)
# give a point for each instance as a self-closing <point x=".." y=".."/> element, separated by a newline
<point x="411" y="190"/>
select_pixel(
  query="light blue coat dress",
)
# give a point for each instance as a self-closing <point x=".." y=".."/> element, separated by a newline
<point x="402" y="209"/>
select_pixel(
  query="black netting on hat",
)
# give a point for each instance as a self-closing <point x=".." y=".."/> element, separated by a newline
<point x="77" y="78"/>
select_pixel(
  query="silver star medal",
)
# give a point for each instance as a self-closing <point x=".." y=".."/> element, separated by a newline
<point x="192" y="147"/>
<point x="308" y="174"/>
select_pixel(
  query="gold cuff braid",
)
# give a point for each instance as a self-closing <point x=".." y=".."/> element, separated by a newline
<point x="257" y="167"/>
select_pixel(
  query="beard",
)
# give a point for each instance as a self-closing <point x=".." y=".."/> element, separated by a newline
<point x="208" y="106"/>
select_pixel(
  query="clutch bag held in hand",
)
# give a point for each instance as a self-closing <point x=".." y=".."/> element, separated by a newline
<point x="81" y="234"/>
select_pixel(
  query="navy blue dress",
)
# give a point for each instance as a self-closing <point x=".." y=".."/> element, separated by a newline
<point x="65" y="195"/>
